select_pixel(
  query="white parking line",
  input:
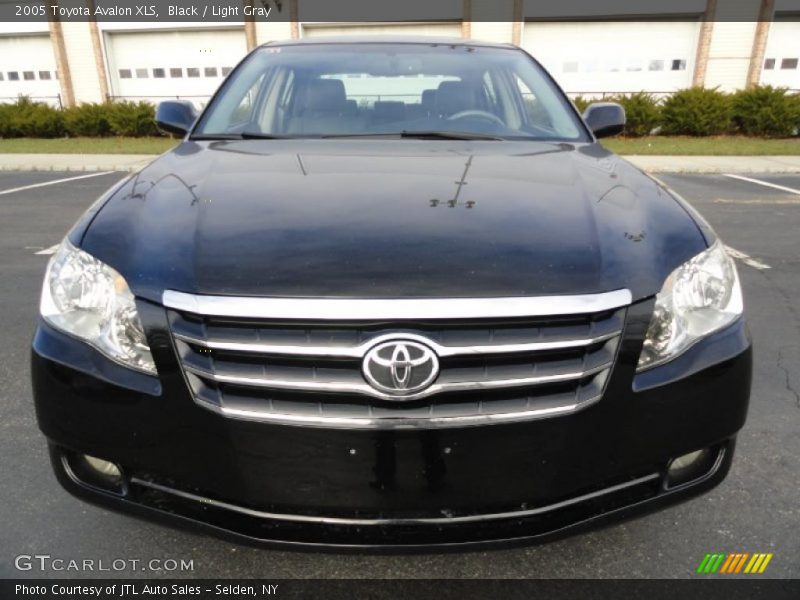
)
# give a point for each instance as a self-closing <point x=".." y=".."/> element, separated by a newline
<point x="764" y="183"/>
<point x="46" y="183"/>
<point x="746" y="259"/>
<point x="48" y="251"/>
<point x="780" y="201"/>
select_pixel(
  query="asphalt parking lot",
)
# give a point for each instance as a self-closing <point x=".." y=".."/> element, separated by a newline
<point x="757" y="508"/>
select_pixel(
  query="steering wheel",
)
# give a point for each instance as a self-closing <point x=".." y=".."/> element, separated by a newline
<point x="480" y="114"/>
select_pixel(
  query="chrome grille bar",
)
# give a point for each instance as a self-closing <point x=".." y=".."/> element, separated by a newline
<point x="367" y="390"/>
<point x="399" y="422"/>
<point x="360" y="309"/>
<point x="299" y="361"/>
<point x="361" y="349"/>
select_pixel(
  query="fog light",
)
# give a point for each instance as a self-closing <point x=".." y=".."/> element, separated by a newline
<point x="103" y="467"/>
<point x="690" y="466"/>
<point x="95" y="472"/>
<point x="684" y="461"/>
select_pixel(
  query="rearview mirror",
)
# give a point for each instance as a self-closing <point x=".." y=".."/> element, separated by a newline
<point x="176" y="116"/>
<point x="605" y="118"/>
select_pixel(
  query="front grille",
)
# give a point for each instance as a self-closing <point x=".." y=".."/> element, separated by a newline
<point x="309" y="371"/>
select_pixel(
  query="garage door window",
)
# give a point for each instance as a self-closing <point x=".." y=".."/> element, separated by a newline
<point x="142" y="74"/>
<point x="789" y="63"/>
<point x="158" y="73"/>
<point x="44" y="75"/>
<point x="210" y="71"/>
<point x="124" y="73"/>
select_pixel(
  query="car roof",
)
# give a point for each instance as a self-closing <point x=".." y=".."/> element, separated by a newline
<point x="389" y="39"/>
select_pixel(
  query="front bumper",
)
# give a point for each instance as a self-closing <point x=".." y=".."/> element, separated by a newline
<point x="409" y="488"/>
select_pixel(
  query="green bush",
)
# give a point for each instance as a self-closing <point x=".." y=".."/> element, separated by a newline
<point x="642" y="111"/>
<point x="26" y="118"/>
<point x="6" y="111"/>
<point x="91" y="120"/>
<point x="766" y="111"/>
<point x="132" y="119"/>
<point x="581" y="103"/>
<point x="796" y="103"/>
<point x="696" y="111"/>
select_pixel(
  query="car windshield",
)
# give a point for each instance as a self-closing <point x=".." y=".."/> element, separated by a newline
<point x="372" y="89"/>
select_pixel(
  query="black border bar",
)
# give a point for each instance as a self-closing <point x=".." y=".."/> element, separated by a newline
<point x="743" y="587"/>
<point x="232" y="12"/>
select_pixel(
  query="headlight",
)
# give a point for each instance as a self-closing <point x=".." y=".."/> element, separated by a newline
<point x="700" y="297"/>
<point x="89" y="300"/>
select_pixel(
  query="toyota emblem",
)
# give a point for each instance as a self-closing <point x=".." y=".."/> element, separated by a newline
<point x="400" y="367"/>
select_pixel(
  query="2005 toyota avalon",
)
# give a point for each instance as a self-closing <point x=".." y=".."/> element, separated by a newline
<point x="390" y="292"/>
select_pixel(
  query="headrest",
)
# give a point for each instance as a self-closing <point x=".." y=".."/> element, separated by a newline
<point x="387" y="110"/>
<point x="326" y="95"/>
<point x="453" y="97"/>
<point x="428" y="99"/>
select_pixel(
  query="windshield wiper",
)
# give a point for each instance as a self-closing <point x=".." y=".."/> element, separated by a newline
<point x="254" y="135"/>
<point x="216" y="136"/>
<point x="436" y="135"/>
<point x="245" y="135"/>
<point x="450" y="135"/>
<point x="422" y="135"/>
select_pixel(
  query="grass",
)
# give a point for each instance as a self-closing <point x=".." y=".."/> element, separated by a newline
<point x="677" y="146"/>
<point x="703" y="146"/>
<point x="86" y="145"/>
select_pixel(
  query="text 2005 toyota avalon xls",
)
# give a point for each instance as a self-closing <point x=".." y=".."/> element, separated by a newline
<point x="390" y="293"/>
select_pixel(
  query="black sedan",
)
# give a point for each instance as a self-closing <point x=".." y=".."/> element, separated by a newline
<point x="390" y="292"/>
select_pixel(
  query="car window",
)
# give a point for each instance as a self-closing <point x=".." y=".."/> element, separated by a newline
<point x="535" y="113"/>
<point x="351" y="89"/>
<point x="488" y="88"/>
<point x="367" y="89"/>
<point x="245" y="110"/>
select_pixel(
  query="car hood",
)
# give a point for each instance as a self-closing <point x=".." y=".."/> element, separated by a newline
<point x="391" y="218"/>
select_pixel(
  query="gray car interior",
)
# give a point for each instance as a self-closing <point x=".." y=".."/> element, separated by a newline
<point x="321" y="105"/>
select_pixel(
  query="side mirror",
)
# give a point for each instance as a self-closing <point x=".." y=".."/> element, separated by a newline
<point x="605" y="118"/>
<point x="176" y="116"/>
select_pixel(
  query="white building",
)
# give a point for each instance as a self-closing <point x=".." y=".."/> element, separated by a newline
<point x="659" y="48"/>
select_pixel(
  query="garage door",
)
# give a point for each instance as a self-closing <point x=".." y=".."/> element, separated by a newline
<point x="596" y="57"/>
<point x="159" y="64"/>
<point x="28" y="68"/>
<point x="433" y="29"/>
<point x="782" y="58"/>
